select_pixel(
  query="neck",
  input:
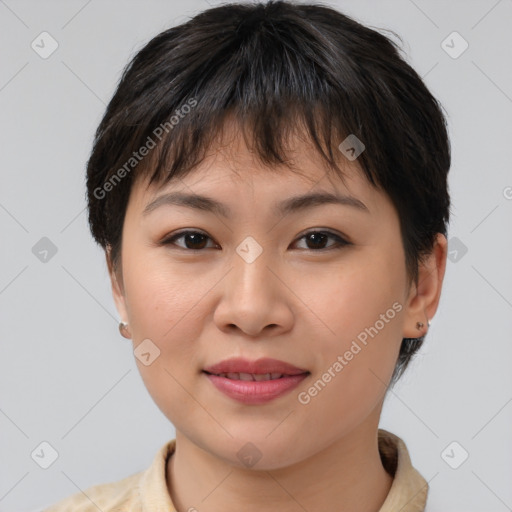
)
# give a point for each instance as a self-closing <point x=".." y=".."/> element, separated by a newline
<point x="348" y="475"/>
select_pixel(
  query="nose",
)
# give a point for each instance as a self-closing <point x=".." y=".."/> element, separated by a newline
<point x="254" y="299"/>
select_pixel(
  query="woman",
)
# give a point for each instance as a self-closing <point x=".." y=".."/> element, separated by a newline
<point x="269" y="183"/>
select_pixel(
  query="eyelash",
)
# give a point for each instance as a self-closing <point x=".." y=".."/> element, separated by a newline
<point x="341" y="242"/>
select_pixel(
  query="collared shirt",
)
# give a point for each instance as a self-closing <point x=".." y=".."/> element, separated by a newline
<point x="147" y="491"/>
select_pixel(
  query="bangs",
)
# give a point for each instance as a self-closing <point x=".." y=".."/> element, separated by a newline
<point x="271" y="141"/>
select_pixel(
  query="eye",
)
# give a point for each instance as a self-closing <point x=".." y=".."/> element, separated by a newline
<point x="193" y="240"/>
<point x="315" y="240"/>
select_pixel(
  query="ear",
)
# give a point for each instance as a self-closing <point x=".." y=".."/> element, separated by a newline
<point x="424" y="297"/>
<point x="117" y="287"/>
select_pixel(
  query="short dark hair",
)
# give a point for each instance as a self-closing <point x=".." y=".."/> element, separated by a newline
<point x="275" y="66"/>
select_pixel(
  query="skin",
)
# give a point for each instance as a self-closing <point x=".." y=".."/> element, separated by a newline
<point x="296" y="302"/>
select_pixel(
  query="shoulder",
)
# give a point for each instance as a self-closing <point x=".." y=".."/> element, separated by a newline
<point x="142" y="490"/>
<point x="108" y="497"/>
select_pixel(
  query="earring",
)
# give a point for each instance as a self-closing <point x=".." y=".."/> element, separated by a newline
<point x="420" y="325"/>
<point x="123" y="329"/>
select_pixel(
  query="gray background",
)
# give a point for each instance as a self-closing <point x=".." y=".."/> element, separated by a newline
<point x="66" y="375"/>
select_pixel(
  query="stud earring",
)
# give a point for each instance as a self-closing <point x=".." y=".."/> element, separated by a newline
<point x="420" y="325"/>
<point x="123" y="329"/>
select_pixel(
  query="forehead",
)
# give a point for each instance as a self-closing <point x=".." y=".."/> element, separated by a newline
<point x="231" y="164"/>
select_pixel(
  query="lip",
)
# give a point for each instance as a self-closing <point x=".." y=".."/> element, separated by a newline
<point x="263" y="365"/>
<point x="256" y="392"/>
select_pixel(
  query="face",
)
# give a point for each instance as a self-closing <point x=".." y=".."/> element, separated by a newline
<point x="198" y="287"/>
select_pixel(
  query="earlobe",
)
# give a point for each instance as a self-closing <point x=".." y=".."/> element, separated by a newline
<point x="424" y="297"/>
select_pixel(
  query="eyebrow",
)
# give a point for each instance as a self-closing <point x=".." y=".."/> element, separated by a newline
<point x="290" y="205"/>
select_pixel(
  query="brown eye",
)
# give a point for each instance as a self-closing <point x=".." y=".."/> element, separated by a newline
<point x="192" y="240"/>
<point x="316" y="240"/>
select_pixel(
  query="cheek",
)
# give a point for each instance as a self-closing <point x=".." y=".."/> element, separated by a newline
<point x="355" y="365"/>
<point x="361" y="309"/>
<point x="162" y="296"/>
<point x="351" y="296"/>
<point x="165" y="307"/>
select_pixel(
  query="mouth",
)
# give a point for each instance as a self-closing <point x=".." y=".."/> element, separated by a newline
<point x="253" y="376"/>
<point x="239" y="368"/>
<point x="254" y="381"/>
